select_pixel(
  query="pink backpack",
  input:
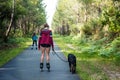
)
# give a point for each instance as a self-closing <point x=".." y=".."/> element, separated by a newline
<point x="45" y="37"/>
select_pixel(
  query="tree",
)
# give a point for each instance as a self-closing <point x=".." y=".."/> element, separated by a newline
<point x="21" y="18"/>
<point x="10" y="24"/>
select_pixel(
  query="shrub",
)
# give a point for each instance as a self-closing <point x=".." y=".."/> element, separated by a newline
<point x="111" y="50"/>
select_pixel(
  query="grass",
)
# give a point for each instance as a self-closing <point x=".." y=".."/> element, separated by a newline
<point x="12" y="49"/>
<point x="90" y="65"/>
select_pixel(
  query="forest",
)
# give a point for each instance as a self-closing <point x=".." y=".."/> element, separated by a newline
<point x="96" y="21"/>
<point x="88" y="28"/>
<point x="19" y="18"/>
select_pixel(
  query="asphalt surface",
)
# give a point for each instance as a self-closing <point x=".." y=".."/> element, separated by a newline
<point x="26" y="67"/>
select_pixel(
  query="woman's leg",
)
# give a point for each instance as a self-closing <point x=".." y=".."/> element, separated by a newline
<point x="42" y="54"/>
<point x="47" y="54"/>
<point x="48" y="58"/>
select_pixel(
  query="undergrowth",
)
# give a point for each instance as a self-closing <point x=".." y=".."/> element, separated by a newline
<point x="11" y="49"/>
<point x="92" y="56"/>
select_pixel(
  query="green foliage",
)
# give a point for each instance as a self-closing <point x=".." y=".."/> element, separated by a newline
<point x="111" y="16"/>
<point x="5" y="12"/>
<point x="17" y="33"/>
<point x="67" y="12"/>
<point x="89" y="52"/>
<point x="86" y="2"/>
<point x="10" y="50"/>
<point x="99" y="23"/>
<point x="116" y="43"/>
<point x="74" y="29"/>
<point x="87" y="57"/>
<point x="18" y="40"/>
<point x="101" y="41"/>
<point x="106" y="53"/>
<point x="111" y="50"/>
<point x="93" y="15"/>
<point x="117" y="59"/>
<point x="28" y="16"/>
<point x="93" y="49"/>
<point x="90" y="27"/>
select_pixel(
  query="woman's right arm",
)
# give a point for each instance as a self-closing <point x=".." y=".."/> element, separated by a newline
<point x="52" y="40"/>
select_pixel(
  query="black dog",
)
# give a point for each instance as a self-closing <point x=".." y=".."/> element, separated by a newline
<point x="72" y="62"/>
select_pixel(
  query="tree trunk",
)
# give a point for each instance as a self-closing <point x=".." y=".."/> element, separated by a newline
<point x="9" y="26"/>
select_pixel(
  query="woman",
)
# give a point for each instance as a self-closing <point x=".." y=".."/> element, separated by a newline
<point x="44" y="44"/>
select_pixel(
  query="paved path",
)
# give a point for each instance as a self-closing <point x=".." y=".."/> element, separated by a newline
<point x="26" y="67"/>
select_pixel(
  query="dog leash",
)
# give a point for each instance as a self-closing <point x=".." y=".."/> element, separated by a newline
<point x="60" y="57"/>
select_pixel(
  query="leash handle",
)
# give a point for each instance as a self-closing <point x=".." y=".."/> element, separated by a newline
<point x="60" y="57"/>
